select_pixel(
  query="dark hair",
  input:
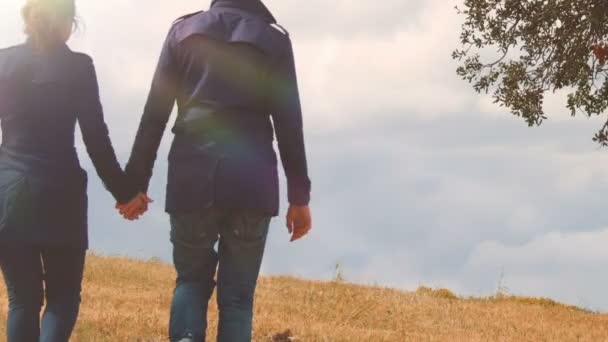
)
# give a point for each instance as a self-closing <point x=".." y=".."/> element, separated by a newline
<point x="44" y="20"/>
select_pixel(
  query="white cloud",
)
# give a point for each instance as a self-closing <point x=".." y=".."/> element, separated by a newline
<point x="569" y="266"/>
<point x="404" y="72"/>
<point x="580" y="249"/>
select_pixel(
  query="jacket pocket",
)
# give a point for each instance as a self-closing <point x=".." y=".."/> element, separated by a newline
<point x="191" y="183"/>
<point x="14" y="199"/>
<point x="59" y="199"/>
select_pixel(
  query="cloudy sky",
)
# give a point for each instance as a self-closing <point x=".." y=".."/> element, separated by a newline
<point x="416" y="179"/>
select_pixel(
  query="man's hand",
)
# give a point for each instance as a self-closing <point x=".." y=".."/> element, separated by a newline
<point x="134" y="209"/>
<point x="299" y="221"/>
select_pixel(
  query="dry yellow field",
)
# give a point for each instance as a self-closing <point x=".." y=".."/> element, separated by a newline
<point x="127" y="300"/>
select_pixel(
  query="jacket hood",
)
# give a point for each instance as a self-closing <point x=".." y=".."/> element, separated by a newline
<point x="255" y="7"/>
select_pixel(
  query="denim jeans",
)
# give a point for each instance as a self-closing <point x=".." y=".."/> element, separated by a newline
<point x="242" y="238"/>
<point x="33" y="273"/>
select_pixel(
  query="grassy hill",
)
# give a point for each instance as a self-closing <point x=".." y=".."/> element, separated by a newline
<point x="127" y="300"/>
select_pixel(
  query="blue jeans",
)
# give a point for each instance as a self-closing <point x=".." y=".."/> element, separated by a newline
<point x="30" y="274"/>
<point x="242" y="238"/>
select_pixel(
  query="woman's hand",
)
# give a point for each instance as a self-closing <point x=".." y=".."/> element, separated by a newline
<point x="135" y="208"/>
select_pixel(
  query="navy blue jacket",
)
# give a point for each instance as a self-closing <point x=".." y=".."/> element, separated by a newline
<point x="232" y="73"/>
<point x="42" y="186"/>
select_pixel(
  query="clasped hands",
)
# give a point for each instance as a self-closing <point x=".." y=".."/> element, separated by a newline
<point x="134" y="209"/>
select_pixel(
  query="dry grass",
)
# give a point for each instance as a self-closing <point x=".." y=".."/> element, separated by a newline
<point x="127" y="300"/>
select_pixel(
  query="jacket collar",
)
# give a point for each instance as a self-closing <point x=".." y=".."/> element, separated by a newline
<point x="254" y="7"/>
<point x="59" y="48"/>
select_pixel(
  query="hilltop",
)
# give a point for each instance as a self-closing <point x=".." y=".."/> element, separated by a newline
<point x="128" y="300"/>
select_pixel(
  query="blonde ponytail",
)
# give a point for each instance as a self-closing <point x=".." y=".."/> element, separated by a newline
<point x="45" y="20"/>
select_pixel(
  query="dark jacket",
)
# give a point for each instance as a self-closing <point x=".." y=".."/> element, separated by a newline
<point x="42" y="186"/>
<point x="232" y="73"/>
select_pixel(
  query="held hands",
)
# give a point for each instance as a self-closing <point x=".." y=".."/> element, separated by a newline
<point x="136" y="208"/>
<point x="299" y="222"/>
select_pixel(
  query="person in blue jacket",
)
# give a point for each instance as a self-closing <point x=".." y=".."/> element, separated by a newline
<point x="45" y="90"/>
<point x="231" y="71"/>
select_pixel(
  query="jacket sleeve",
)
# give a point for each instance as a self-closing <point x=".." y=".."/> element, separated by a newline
<point x="97" y="140"/>
<point x="157" y="112"/>
<point x="288" y="125"/>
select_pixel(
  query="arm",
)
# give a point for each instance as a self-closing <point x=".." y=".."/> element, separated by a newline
<point x="154" y="120"/>
<point x="288" y="125"/>
<point x="97" y="141"/>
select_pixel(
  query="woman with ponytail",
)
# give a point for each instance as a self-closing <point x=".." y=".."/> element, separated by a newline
<point x="45" y="90"/>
